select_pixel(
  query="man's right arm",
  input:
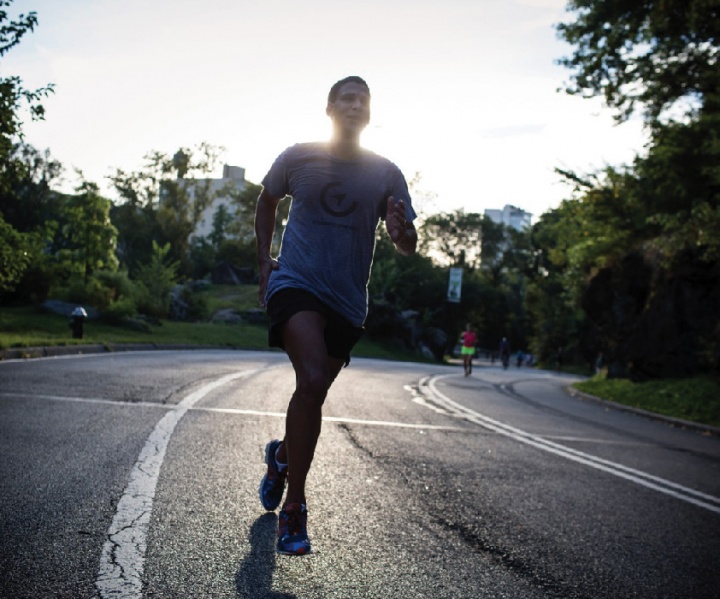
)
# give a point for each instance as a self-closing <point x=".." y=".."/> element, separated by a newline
<point x="265" y="214"/>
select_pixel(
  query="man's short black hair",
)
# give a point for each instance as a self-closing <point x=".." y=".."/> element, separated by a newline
<point x="335" y="89"/>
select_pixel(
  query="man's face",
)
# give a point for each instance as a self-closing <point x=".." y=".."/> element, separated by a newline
<point x="351" y="109"/>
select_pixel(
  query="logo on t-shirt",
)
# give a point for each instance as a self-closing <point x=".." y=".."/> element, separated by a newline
<point x="334" y="201"/>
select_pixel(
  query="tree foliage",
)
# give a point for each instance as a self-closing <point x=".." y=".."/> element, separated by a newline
<point x="13" y="96"/>
<point x="680" y="179"/>
<point x="87" y="239"/>
<point x="164" y="202"/>
<point x="24" y="225"/>
<point x="452" y="238"/>
<point x="504" y="250"/>
<point x="15" y="256"/>
<point x="628" y="263"/>
<point x="158" y="277"/>
<point x="407" y="282"/>
<point x="655" y="54"/>
<point x="635" y="250"/>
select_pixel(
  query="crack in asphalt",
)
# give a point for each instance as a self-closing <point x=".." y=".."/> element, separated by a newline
<point x="123" y="556"/>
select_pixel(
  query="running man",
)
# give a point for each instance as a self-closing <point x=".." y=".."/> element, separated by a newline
<point x="315" y="291"/>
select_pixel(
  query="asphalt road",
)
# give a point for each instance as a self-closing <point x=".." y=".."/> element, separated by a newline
<point x="136" y="475"/>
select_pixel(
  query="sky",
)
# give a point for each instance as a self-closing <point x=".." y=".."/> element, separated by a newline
<point x="464" y="92"/>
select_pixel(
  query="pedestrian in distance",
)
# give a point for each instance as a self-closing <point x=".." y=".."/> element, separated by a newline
<point x="468" y="338"/>
<point x="504" y="351"/>
<point x="315" y="290"/>
<point x="599" y="363"/>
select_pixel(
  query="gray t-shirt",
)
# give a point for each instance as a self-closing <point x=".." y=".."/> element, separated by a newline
<point x="329" y="239"/>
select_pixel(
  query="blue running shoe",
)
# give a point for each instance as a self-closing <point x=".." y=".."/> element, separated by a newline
<point x="292" y="530"/>
<point x="272" y="485"/>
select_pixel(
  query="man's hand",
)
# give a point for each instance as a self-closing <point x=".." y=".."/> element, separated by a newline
<point x="395" y="219"/>
<point x="265" y="268"/>
<point x="402" y="233"/>
<point x="265" y="215"/>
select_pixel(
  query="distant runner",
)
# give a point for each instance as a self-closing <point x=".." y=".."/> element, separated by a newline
<point x="469" y="340"/>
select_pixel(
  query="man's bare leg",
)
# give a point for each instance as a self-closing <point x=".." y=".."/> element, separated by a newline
<point x="304" y="341"/>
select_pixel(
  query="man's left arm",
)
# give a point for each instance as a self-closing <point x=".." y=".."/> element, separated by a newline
<point x="401" y="231"/>
<point x="407" y="244"/>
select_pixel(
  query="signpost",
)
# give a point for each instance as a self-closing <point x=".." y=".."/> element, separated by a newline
<point x="454" y="285"/>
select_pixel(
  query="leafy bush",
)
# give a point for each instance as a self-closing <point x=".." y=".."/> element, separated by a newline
<point x="118" y="281"/>
<point x="156" y="280"/>
<point x="74" y="291"/>
<point x="118" y="312"/>
<point x="189" y="304"/>
<point x="101" y="290"/>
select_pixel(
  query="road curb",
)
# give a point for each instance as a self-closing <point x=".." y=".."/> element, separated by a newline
<point x="28" y="353"/>
<point x="678" y="422"/>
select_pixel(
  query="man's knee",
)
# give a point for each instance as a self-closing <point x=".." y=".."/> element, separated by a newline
<point x="313" y="386"/>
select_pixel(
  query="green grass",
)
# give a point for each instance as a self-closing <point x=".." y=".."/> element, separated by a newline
<point x="31" y="327"/>
<point x="695" y="399"/>
<point x="239" y="297"/>
<point x="367" y="348"/>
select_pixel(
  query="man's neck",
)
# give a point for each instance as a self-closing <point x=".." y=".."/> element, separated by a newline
<point x="345" y="148"/>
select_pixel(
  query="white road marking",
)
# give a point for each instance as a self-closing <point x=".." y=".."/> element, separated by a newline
<point x="433" y="427"/>
<point x="238" y="411"/>
<point x="703" y="500"/>
<point x="242" y="412"/>
<point x="123" y="555"/>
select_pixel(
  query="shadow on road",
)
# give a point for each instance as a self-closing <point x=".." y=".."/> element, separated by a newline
<point x="254" y="578"/>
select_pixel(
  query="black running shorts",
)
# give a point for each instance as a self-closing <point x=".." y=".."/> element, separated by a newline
<point x="340" y="335"/>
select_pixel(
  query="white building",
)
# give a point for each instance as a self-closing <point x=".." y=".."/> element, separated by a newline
<point x="233" y="178"/>
<point x="510" y="216"/>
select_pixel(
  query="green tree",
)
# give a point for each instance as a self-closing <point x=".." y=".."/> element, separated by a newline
<point x="13" y="96"/>
<point x="636" y="247"/>
<point x="680" y="179"/>
<point x="408" y="282"/>
<point x="137" y="229"/>
<point x="496" y="260"/>
<point x="504" y="251"/>
<point x="16" y="254"/>
<point x="33" y="210"/>
<point x="558" y="279"/>
<point x="170" y="207"/>
<point x="242" y="227"/>
<point x="244" y="202"/>
<point x="659" y="55"/>
<point x="452" y="238"/>
<point x="87" y="237"/>
<point x="27" y="199"/>
<point x="158" y="277"/>
<point x="221" y="221"/>
<point x="203" y="257"/>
